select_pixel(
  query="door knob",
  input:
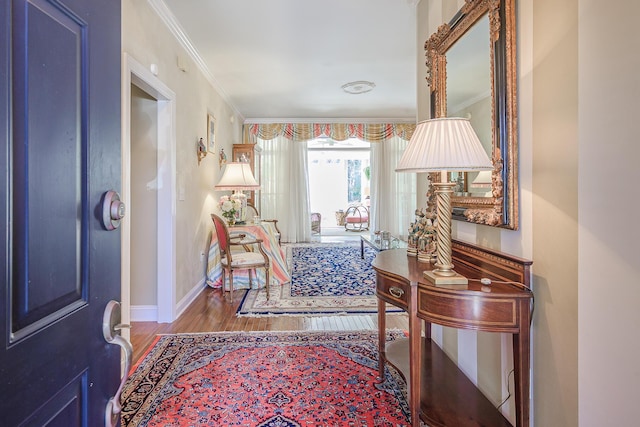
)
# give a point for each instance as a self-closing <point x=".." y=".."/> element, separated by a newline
<point x="113" y="210"/>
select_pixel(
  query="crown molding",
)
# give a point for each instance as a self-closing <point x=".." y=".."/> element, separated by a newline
<point x="162" y="10"/>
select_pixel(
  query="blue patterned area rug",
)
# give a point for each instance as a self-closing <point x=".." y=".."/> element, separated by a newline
<point x="326" y="279"/>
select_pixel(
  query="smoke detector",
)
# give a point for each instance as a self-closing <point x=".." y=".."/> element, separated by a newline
<point x="358" y="87"/>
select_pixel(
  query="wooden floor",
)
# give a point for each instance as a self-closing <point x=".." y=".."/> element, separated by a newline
<point x="210" y="312"/>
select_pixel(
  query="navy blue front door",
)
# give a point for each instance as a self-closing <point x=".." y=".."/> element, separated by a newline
<point x="59" y="154"/>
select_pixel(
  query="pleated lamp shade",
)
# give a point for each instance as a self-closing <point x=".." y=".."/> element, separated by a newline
<point x="445" y="144"/>
<point x="237" y="176"/>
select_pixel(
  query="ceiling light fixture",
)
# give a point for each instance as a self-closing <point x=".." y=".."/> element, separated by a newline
<point x="358" y="87"/>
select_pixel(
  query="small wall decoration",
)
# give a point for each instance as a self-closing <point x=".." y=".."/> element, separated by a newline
<point x="223" y="157"/>
<point x="211" y="133"/>
<point x="202" y="150"/>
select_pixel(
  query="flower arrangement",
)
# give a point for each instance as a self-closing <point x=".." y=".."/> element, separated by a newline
<point x="229" y="207"/>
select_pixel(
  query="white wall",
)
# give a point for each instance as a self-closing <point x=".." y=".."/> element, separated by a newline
<point x="608" y="234"/>
<point x="144" y="198"/>
<point x="147" y="39"/>
<point x="555" y="210"/>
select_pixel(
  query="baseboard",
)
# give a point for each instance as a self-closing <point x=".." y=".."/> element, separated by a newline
<point x="190" y="297"/>
<point x="149" y="313"/>
<point x="144" y="313"/>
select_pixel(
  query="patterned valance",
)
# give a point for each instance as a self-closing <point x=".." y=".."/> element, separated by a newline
<point x="375" y="132"/>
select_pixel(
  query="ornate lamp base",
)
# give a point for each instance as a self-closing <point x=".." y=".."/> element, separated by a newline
<point x="436" y="279"/>
<point x="444" y="274"/>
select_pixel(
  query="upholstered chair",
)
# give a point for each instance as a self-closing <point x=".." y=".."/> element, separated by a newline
<point x="356" y="218"/>
<point x="239" y="260"/>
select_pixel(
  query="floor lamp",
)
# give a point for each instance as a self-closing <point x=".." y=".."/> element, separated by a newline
<point x="444" y="145"/>
<point x="238" y="177"/>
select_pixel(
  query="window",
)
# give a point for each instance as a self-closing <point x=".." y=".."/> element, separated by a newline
<point x="337" y="176"/>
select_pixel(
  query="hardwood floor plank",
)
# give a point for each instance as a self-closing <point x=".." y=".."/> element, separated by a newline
<point x="211" y="312"/>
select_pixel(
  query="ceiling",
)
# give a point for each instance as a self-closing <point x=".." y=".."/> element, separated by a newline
<point x="288" y="59"/>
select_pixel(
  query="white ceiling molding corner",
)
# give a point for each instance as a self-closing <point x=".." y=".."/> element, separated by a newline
<point x="178" y="32"/>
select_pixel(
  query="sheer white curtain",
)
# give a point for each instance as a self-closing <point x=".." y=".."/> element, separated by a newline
<point x="393" y="194"/>
<point x="284" y="187"/>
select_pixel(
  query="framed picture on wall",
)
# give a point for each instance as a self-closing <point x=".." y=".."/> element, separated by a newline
<point x="211" y="133"/>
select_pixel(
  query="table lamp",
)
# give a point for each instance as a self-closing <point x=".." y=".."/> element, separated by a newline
<point x="444" y="145"/>
<point x="238" y="177"/>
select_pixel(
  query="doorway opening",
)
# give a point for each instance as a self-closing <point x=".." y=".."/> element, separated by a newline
<point x="338" y="178"/>
<point x="153" y="194"/>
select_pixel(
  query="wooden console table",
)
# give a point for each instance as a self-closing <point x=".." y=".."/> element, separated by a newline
<point x="446" y="397"/>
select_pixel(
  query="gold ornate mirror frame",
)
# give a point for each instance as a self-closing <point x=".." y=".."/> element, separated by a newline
<point x="501" y="208"/>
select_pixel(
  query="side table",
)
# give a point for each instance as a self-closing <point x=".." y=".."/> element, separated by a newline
<point x="440" y="394"/>
<point x="369" y="240"/>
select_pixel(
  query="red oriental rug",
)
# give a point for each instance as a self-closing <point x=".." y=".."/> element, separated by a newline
<point x="264" y="379"/>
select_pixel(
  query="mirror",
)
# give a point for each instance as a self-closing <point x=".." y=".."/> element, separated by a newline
<point x="469" y="95"/>
<point x="471" y="64"/>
